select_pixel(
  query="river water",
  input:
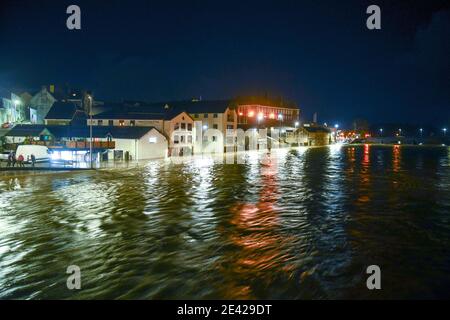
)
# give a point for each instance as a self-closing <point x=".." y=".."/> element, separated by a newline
<point x="304" y="226"/>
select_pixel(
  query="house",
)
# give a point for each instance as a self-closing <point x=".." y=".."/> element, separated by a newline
<point x="118" y="143"/>
<point x="310" y="135"/>
<point x="42" y="102"/>
<point x="205" y="125"/>
<point x="65" y="113"/>
<point x="175" y="124"/>
<point x="253" y="112"/>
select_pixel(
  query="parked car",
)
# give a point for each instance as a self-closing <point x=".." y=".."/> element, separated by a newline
<point x="4" y="156"/>
<point x="41" y="153"/>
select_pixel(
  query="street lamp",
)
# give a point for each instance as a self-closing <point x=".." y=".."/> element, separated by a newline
<point x="336" y="126"/>
<point x="381" y="131"/>
<point x="280" y="118"/>
<point x="296" y="124"/>
<point x="400" y="131"/>
<point x="445" y="131"/>
<point x="260" y="117"/>
<point x="421" y="132"/>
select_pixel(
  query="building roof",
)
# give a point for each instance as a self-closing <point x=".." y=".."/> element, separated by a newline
<point x="63" y="111"/>
<point x="195" y="106"/>
<point x="78" y="131"/>
<point x="25" y="130"/>
<point x="129" y="110"/>
<point x="99" y="132"/>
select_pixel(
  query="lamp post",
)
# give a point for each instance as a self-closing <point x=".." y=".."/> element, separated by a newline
<point x="381" y="132"/>
<point x="445" y="131"/>
<point x="90" y="130"/>
<point x="421" y="132"/>
<point x="260" y="117"/>
<point x="280" y="118"/>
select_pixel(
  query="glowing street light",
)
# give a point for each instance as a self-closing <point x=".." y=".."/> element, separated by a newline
<point x="260" y="116"/>
<point x="205" y="127"/>
<point x="445" y="131"/>
<point x="336" y="126"/>
<point x="296" y="124"/>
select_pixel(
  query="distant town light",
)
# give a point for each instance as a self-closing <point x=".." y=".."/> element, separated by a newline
<point x="260" y="116"/>
<point x="336" y="126"/>
<point x="272" y="116"/>
<point x="205" y="126"/>
<point x="251" y="113"/>
<point x="280" y="116"/>
<point x="16" y="102"/>
<point x="296" y="124"/>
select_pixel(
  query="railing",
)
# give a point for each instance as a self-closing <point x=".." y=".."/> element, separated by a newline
<point x="76" y="144"/>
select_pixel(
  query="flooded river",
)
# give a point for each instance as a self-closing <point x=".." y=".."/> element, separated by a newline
<point x="304" y="226"/>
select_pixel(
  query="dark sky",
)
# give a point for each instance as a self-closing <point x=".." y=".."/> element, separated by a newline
<point x="317" y="53"/>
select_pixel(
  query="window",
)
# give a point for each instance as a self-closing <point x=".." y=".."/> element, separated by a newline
<point x="100" y="122"/>
<point x="189" y="139"/>
<point x="132" y="123"/>
<point x="205" y="115"/>
<point x="182" y="139"/>
<point x="121" y="123"/>
<point x="230" y="126"/>
<point x="111" y="122"/>
<point x="176" y="139"/>
<point x="152" y="140"/>
<point x="196" y="115"/>
<point x="215" y="126"/>
<point x="215" y="115"/>
<point x="183" y="126"/>
<point x="214" y="138"/>
<point x="177" y="126"/>
<point x="189" y="126"/>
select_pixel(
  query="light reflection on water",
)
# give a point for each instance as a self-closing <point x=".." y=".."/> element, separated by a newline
<point x="303" y="224"/>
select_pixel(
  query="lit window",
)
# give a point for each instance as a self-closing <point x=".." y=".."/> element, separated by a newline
<point x="251" y="113"/>
<point x="121" y="122"/>
<point x="152" y="140"/>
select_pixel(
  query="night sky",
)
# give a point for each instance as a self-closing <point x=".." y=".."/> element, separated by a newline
<point x="317" y="53"/>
